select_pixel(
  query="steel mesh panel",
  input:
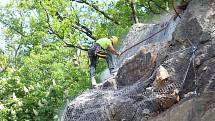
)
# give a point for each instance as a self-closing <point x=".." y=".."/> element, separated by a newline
<point x="129" y="103"/>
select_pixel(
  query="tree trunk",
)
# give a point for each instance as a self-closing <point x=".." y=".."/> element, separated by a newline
<point x="133" y="12"/>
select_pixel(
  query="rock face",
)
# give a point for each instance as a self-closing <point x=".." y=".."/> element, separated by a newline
<point x="169" y="76"/>
<point x="201" y="108"/>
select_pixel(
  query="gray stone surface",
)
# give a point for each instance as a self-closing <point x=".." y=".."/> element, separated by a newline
<point x="185" y="48"/>
<point x="199" y="108"/>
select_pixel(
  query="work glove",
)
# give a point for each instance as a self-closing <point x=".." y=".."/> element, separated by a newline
<point x="118" y="54"/>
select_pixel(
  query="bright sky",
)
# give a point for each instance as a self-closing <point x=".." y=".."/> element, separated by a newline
<point x="3" y="2"/>
<point x="2" y="42"/>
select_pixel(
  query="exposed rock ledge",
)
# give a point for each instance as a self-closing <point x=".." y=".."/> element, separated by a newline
<point x="169" y="77"/>
<point x="199" y="108"/>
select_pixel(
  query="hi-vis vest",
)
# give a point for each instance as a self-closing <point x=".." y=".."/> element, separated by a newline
<point x="102" y="45"/>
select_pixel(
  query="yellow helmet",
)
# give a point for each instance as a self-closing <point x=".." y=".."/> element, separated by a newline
<point x="114" y="40"/>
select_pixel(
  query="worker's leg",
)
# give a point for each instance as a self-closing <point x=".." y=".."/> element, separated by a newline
<point x="93" y="60"/>
<point x="110" y="62"/>
<point x="92" y="66"/>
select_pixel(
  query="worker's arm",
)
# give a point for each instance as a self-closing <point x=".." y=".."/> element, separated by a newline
<point x="113" y="50"/>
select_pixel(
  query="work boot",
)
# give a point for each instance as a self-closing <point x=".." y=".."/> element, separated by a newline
<point x="93" y="81"/>
<point x="113" y="72"/>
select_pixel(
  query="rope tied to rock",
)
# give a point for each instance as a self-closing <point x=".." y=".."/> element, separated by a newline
<point x="145" y="39"/>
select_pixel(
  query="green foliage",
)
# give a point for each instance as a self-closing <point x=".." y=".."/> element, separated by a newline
<point x="43" y="84"/>
<point x="38" y="75"/>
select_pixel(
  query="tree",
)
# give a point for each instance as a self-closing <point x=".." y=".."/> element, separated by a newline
<point x="45" y="61"/>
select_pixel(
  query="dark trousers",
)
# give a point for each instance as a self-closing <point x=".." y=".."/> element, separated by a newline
<point x="93" y="59"/>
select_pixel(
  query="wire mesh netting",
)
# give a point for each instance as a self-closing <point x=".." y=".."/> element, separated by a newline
<point x="135" y="102"/>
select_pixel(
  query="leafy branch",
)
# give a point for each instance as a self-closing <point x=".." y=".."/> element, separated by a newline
<point x="54" y="32"/>
<point x="98" y="10"/>
<point x="78" y="26"/>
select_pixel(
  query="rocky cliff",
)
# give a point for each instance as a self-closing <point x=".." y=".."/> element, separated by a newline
<point x="168" y="76"/>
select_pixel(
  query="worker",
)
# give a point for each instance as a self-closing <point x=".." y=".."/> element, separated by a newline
<point x="102" y="48"/>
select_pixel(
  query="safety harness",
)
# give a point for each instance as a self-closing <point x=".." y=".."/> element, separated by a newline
<point x="99" y="51"/>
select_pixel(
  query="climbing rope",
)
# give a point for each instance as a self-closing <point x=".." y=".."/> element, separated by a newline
<point x="145" y="39"/>
<point x="173" y="5"/>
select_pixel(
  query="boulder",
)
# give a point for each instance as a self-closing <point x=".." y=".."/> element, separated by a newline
<point x="169" y="76"/>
